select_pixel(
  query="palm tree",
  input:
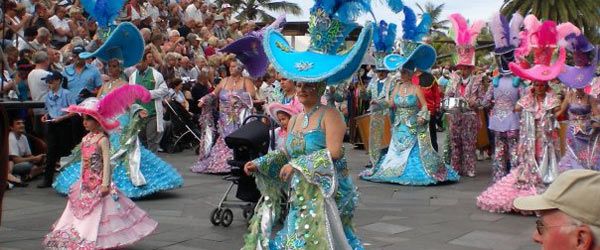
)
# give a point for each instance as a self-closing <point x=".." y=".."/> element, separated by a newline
<point x="438" y="26"/>
<point x="256" y="10"/>
<point x="585" y="14"/>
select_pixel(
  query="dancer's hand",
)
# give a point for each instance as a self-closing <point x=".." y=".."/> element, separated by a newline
<point x="250" y="168"/>
<point x="104" y="191"/>
<point x="286" y="172"/>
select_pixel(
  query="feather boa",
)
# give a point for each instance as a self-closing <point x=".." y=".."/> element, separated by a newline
<point x="118" y="100"/>
<point x="395" y="5"/>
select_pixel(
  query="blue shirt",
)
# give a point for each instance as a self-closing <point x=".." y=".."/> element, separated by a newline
<point x="89" y="79"/>
<point x="56" y="102"/>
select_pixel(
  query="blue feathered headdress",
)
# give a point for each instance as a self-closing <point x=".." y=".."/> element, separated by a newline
<point x="384" y="37"/>
<point x="411" y="31"/>
<point x="103" y="11"/>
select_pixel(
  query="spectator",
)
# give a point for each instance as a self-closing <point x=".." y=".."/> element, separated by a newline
<point x="151" y="79"/>
<point x="169" y="70"/>
<point x="29" y="34"/>
<point x="16" y="19"/>
<point x="195" y="49"/>
<point x="176" y="93"/>
<point x="187" y="28"/>
<point x="146" y="34"/>
<point x="77" y="22"/>
<point x="192" y="12"/>
<point x="152" y="9"/>
<point x="42" y="39"/>
<point x="226" y="10"/>
<point x="37" y="85"/>
<point x="219" y="29"/>
<point x="201" y="88"/>
<point x="81" y="75"/>
<point x="187" y="70"/>
<point x="155" y="46"/>
<point x="21" y="160"/>
<point x="19" y="83"/>
<point x="233" y="31"/>
<point x="176" y="43"/>
<point x="568" y="211"/>
<point x="41" y="17"/>
<point x="12" y="56"/>
<point x="62" y="32"/>
<point x="58" y="138"/>
<point x="54" y="57"/>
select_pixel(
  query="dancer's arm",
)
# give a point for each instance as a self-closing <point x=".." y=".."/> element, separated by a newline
<point x="105" y="147"/>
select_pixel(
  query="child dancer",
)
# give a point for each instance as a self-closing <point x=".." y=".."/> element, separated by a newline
<point x="98" y="215"/>
<point x="282" y="114"/>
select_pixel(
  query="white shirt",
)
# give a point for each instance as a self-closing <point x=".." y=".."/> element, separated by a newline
<point x="18" y="146"/>
<point x="37" y="86"/>
<point x="59" y="24"/>
<point x="152" y="11"/>
<point x="192" y="12"/>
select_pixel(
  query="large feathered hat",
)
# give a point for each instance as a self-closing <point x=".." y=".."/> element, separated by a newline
<point x="125" y="43"/>
<point x="115" y="103"/>
<point x="465" y="38"/>
<point x="249" y="49"/>
<point x="415" y="54"/>
<point x="543" y="40"/>
<point x="331" y="21"/>
<point x="586" y="60"/>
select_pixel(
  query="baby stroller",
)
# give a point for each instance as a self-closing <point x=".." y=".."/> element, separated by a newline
<point x="249" y="142"/>
<point x="184" y="132"/>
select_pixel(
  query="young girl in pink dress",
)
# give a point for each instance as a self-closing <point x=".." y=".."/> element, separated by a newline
<point x="98" y="215"/>
<point x="282" y="114"/>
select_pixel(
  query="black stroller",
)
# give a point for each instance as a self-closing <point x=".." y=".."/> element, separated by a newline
<point x="184" y="133"/>
<point x="249" y="142"/>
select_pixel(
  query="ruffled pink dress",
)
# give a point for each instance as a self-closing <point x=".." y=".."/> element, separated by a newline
<point x="538" y="157"/>
<point x="91" y="221"/>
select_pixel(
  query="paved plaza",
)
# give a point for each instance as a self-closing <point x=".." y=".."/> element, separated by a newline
<point x="388" y="217"/>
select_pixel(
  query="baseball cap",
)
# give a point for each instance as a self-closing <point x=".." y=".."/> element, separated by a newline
<point x="574" y="192"/>
<point x="78" y="49"/>
<point x="52" y="75"/>
<point x="225" y="6"/>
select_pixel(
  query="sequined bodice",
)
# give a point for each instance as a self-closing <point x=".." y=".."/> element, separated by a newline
<point x="406" y="109"/>
<point x="301" y="143"/>
<point x="92" y="162"/>
<point x="579" y="110"/>
<point x="505" y="98"/>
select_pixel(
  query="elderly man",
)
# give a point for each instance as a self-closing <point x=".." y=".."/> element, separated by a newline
<point x="569" y="212"/>
<point x="152" y="80"/>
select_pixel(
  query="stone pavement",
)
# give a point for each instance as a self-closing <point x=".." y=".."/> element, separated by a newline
<point x="388" y="217"/>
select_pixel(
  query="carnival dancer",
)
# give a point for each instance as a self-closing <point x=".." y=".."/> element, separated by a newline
<point x="503" y="94"/>
<point x="96" y="207"/>
<point x="323" y="197"/>
<point x="411" y="159"/>
<point x="138" y="172"/>
<point x="379" y="87"/>
<point x="466" y="87"/>
<point x="538" y="150"/>
<point x="582" y="142"/>
<point x="235" y="94"/>
<point x="413" y="35"/>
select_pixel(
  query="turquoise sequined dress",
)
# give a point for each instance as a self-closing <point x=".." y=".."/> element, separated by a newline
<point x="410" y="159"/>
<point x="158" y="174"/>
<point x="322" y="198"/>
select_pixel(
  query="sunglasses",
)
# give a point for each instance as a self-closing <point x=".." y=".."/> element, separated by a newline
<point x="540" y="227"/>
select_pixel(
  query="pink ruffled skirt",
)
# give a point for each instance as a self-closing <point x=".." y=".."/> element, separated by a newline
<point x="499" y="197"/>
<point x="113" y="222"/>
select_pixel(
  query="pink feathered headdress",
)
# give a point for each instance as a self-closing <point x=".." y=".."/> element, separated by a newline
<point x="115" y="103"/>
<point x="465" y="38"/>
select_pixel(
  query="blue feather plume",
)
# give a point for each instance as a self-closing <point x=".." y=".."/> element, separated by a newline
<point x="384" y="37"/>
<point x="103" y="11"/>
<point x="410" y="29"/>
<point x="395" y="5"/>
<point x="344" y="10"/>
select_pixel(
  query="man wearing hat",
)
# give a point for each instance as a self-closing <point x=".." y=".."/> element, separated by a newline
<point x="220" y="30"/>
<point x="468" y="89"/>
<point x="81" y="75"/>
<point x="568" y="212"/>
<point x="59" y="136"/>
